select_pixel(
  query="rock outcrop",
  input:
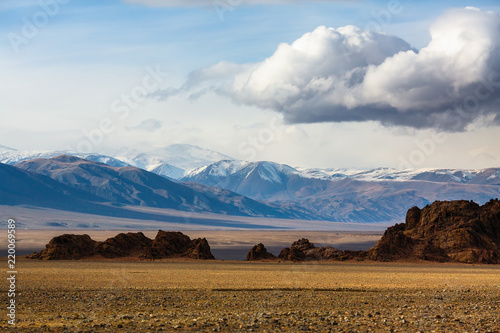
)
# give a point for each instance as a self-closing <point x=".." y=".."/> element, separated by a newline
<point x="458" y="231"/>
<point x="67" y="247"/>
<point x="303" y="250"/>
<point x="168" y="244"/>
<point x="199" y="249"/>
<point x="124" y="245"/>
<point x="259" y="252"/>
<point x="165" y="245"/>
<point x="302" y="245"/>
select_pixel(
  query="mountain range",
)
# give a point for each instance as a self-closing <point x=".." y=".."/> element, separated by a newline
<point x="172" y="161"/>
<point x="96" y="182"/>
<point x="190" y="178"/>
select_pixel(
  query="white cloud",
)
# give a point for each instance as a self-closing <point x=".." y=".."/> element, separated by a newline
<point x="148" y="125"/>
<point x="348" y="74"/>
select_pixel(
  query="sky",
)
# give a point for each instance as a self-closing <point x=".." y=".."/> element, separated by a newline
<point x="330" y="84"/>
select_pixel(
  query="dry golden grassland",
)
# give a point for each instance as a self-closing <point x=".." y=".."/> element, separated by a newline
<point x="228" y="296"/>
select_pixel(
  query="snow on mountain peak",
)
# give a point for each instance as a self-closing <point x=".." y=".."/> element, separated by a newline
<point x="268" y="171"/>
<point x="181" y="156"/>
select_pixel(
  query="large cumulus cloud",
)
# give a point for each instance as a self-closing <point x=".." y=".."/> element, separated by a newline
<point x="347" y="74"/>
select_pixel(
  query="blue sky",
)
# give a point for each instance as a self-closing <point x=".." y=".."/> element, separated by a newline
<point x="62" y="81"/>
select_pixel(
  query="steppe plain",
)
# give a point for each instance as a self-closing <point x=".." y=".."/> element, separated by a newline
<point x="236" y="296"/>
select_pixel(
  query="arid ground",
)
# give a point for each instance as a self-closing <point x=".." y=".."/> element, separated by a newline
<point x="230" y="296"/>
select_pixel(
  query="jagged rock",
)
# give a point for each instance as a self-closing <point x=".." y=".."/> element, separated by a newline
<point x="297" y="251"/>
<point x="304" y="250"/>
<point x="293" y="254"/>
<point x="124" y="245"/>
<point x="296" y="254"/>
<point x="398" y="247"/>
<point x="284" y="253"/>
<point x="165" y="245"/>
<point x="460" y="231"/>
<point x="67" y="247"/>
<point x="259" y="252"/>
<point x="302" y="244"/>
<point x="199" y="249"/>
<point x="168" y="244"/>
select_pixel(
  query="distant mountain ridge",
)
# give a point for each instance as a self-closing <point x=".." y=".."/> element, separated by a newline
<point x="173" y="161"/>
<point x="11" y="156"/>
<point x="339" y="195"/>
<point x="378" y="195"/>
<point x="133" y="186"/>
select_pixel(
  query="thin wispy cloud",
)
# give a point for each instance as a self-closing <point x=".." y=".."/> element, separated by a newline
<point x="350" y="74"/>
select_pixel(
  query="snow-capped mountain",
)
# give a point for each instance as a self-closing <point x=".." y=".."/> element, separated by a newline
<point x="74" y="184"/>
<point x="350" y="195"/>
<point x="376" y="195"/>
<point x="259" y="180"/>
<point x="235" y="175"/>
<point x="13" y="156"/>
<point x="173" y="161"/>
<point x="381" y="174"/>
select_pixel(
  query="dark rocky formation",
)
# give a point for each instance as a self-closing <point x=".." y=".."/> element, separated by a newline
<point x="259" y="252"/>
<point x="165" y="245"/>
<point x="292" y="254"/>
<point x="304" y="250"/>
<point x="124" y="245"/>
<point x="67" y="247"/>
<point x="458" y="231"/>
<point x="297" y="251"/>
<point x="199" y="249"/>
<point x="302" y="245"/>
<point x="168" y="244"/>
